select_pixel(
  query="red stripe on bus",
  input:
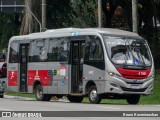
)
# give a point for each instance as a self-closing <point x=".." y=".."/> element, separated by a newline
<point x="133" y="74"/>
<point x="12" y="78"/>
<point x="40" y="75"/>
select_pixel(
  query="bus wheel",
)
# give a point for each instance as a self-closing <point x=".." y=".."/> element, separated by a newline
<point x="75" y="99"/>
<point x="133" y="99"/>
<point x="39" y="94"/>
<point x="2" y="96"/>
<point x="59" y="96"/>
<point x="93" y="96"/>
<point x="1" y="75"/>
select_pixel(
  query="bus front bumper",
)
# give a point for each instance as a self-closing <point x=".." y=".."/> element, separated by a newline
<point x="119" y="86"/>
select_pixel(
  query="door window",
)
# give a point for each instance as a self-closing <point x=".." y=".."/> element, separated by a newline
<point x="13" y="55"/>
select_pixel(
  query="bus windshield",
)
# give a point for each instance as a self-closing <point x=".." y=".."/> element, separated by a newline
<point x="128" y="52"/>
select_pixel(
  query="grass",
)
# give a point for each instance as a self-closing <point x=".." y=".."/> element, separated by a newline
<point x="150" y="99"/>
<point x="28" y="95"/>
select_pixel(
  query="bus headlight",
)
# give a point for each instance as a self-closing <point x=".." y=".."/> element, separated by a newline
<point x="113" y="74"/>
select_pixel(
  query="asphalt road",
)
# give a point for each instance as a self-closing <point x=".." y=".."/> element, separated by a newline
<point x="19" y="104"/>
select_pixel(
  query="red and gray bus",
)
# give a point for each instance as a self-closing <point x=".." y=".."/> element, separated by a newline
<point x="77" y="63"/>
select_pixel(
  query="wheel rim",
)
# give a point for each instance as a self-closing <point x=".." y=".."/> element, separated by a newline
<point x="93" y="95"/>
<point x="39" y="93"/>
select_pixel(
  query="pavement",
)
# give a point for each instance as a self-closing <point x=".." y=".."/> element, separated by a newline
<point x="17" y="104"/>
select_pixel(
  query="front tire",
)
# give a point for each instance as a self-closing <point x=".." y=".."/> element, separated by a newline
<point x="93" y="96"/>
<point x="39" y="94"/>
<point x="75" y="99"/>
<point x="133" y="99"/>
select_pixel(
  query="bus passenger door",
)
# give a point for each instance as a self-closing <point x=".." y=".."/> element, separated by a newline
<point x="77" y="59"/>
<point x="24" y="57"/>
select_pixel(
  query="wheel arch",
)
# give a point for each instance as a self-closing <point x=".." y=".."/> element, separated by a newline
<point x="35" y="85"/>
<point x="88" y="85"/>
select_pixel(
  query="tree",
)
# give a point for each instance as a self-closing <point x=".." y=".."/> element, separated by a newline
<point x="145" y="9"/>
<point x="9" y="27"/>
<point x="58" y="14"/>
<point x="157" y="5"/>
<point x="83" y="13"/>
<point x="27" y="25"/>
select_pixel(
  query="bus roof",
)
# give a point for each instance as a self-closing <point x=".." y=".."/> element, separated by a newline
<point x="109" y="31"/>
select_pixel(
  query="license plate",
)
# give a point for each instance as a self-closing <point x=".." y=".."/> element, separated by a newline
<point x="135" y="87"/>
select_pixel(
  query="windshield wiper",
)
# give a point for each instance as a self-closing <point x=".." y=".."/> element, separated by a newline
<point x="140" y="55"/>
<point x="134" y="58"/>
<point x="125" y="63"/>
<point x="131" y="51"/>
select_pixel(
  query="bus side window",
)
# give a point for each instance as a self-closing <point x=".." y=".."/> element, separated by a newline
<point x="53" y="50"/>
<point x="39" y="51"/>
<point x="63" y="49"/>
<point x="13" y="54"/>
<point x="95" y="51"/>
<point x="58" y="49"/>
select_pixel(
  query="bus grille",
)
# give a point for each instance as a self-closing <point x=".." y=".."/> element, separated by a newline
<point x="134" y="74"/>
<point x="133" y="90"/>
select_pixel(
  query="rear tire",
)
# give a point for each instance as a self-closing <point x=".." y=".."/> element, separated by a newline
<point x="93" y="96"/>
<point x="59" y="96"/>
<point x="133" y="99"/>
<point x="75" y="99"/>
<point x="1" y="75"/>
<point x="2" y="96"/>
<point x="39" y="94"/>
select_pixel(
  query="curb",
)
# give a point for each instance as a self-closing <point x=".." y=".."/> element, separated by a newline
<point x="18" y="97"/>
<point x="26" y="98"/>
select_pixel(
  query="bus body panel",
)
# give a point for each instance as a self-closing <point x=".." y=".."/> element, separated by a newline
<point x="13" y="68"/>
<point x="55" y="77"/>
<point x="91" y="73"/>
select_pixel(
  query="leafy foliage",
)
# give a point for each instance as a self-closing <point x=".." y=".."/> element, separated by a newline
<point x="75" y="13"/>
<point x="9" y="28"/>
<point x="83" y="13"/>
<point x="58" y="14"/>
